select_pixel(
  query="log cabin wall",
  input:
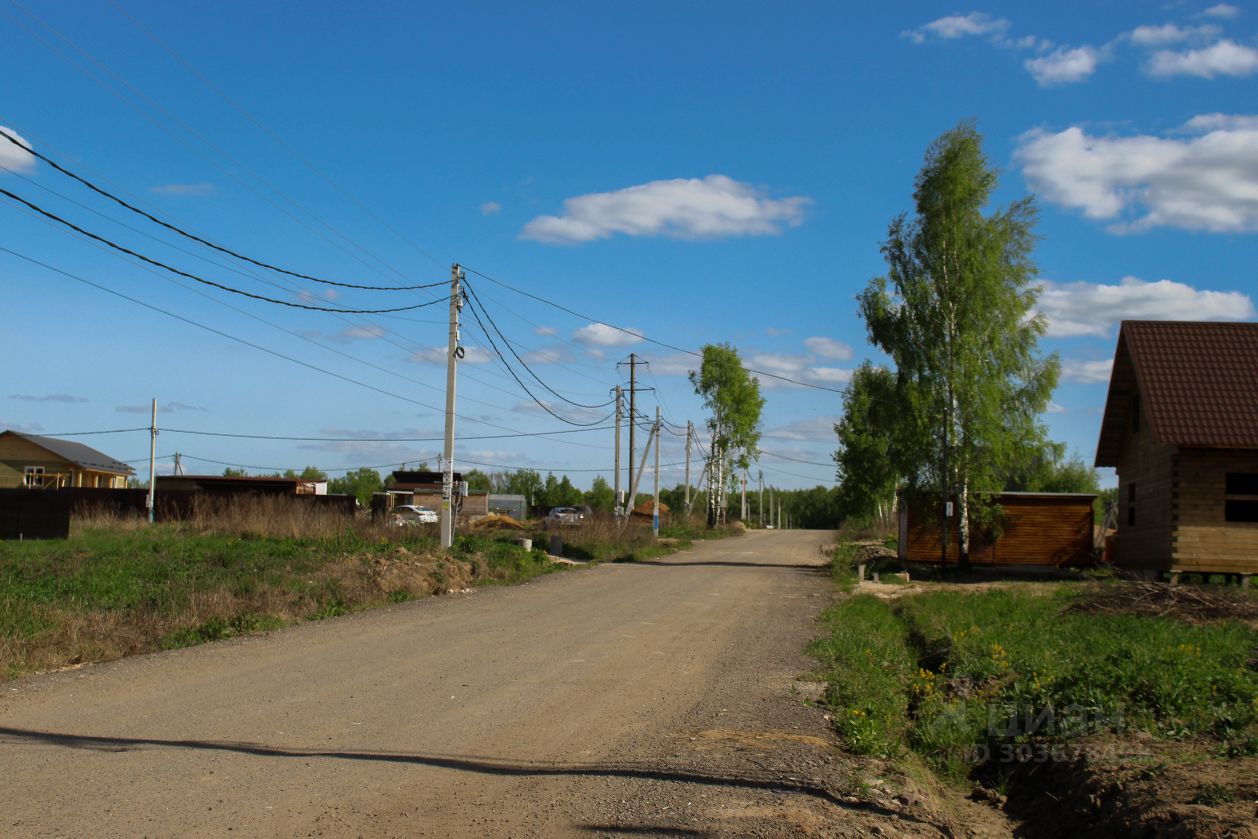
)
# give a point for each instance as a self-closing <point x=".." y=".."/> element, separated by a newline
<point x="1203" y="539"/>
<point x="1037" y="529"/>
<point x="1144" y="498"/>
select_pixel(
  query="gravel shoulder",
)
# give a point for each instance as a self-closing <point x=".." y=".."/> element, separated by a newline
<point x="656" y="697"/>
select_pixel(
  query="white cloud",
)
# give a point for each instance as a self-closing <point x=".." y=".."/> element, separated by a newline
<point x="952" y="27"/>
<point x="683" y="208"/>
<point x="1086" y="372"/>
<point x="162" y="408"/>
<point x="1223" y="10"/>
<point x="490" y="208"/>
<point x="828" y="348"/>
<point x="815" y="429"/>
<point x="51" y="397"/>
<point x="437" y="355"/>
<point x="546" y="355"/>
<point x="1054" y="408"/>
<point x="602" y="335"/>
<point x="1203" y="183"/>
<point x="546" y="331"/>
<point x="1205" y="123"/>
<point x="11" y="157"/>
<point x="197" y="190"/>
<point x="364" y="332"/>
<point x="802" y="368"/>
<point x="1064" y="65"/>
<point x="1225" y="58"/>
<point x="1075" y="309"/>
<point x="1169" y="33"/>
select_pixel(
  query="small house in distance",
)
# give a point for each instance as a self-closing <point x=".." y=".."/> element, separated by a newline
<point x="426" y="487"/>
<point x="1181" y="428"/>
<point x="35" y="462"/>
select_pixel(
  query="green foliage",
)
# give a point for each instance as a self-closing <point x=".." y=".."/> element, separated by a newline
<point x="559" y="492"/>
<point x="1003" y="668"/>
<point x="360" y="483"/>
<point x="601" y="496"/>
<point x="865" y="468"/>
<point x="732" y="396"/>
<point x="478" y="480"/>
<point x="955" y="314"/>
<point x="870" y="662"/>
<point x="1049" y="470"/>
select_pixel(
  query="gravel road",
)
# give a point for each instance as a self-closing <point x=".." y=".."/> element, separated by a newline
<point x="626" y="699"/>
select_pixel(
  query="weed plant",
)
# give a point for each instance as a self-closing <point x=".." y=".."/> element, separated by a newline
<point x="953" y="675"/>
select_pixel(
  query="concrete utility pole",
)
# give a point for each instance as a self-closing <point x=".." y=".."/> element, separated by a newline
<point x="178" y="464"/>
<point x="633" y="416"/>
<point x="619" y="502"/>
<point x="690" y="430"/>
<point x="151" y="501"/>
<point x="454" y="353"/>
<point x="655" y="517"/>
<point x="760" y="506"/>
<point x="633" y="487"/>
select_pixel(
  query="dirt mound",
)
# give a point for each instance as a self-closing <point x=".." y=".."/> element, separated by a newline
<point x="1195" y="604"/>
<point x="867" y="552"/>
<point x="496" y="521"/>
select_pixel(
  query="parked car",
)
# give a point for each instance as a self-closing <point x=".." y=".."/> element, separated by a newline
<point x="565" y="517"/>
<point x="414" y="514"/>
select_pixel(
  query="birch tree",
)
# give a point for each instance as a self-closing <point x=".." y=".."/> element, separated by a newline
<point x="732" y="396"/>
<point x="955" y="312"/>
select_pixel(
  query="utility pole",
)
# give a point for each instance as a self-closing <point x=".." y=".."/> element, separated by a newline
<point x="633" y="415"/>
<point x="178" y="464"/>
<point x="453" y="354"/>
<point x="633" y="486"/>
<point x="152" y="499"/>
<point x="655" y="517"/>
<point x="690" y="430"/>
<point x="760" y="506"/>
<point x="618" y="503"/>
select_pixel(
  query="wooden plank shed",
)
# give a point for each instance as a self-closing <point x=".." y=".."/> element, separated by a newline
<point x="1181" y="429"/>
<point x="1036" y="528"/>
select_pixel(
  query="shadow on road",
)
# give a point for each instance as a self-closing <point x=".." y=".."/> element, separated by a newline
<point x="482" y="765"/>
<point x="725" y="563"/>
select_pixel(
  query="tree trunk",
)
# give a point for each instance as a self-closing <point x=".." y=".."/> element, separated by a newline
<point x="963" y="524"/>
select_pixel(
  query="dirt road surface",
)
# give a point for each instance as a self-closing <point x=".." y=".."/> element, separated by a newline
<point x="656" y="698"/>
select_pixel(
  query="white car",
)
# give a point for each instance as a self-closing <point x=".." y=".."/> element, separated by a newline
<point x="412" y="514"/>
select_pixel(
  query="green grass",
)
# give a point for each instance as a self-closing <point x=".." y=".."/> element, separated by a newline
<point x="953" y="675"/>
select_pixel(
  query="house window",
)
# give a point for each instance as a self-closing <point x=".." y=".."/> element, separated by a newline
<point x="1240" y="503"/>
<point x="33" y="476"/>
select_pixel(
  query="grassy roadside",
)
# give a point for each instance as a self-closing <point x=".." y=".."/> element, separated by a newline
<point x="118" y="587"/>
<point x="1006" y="684"/>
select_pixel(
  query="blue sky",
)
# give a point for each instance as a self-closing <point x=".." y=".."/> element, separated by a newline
<point x="695" y="172"/>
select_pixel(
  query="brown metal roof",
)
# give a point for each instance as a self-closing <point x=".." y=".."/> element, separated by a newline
<point x="1197" y="382"/>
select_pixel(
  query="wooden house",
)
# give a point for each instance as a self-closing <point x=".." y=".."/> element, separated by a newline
<point x="1181" y="429"/>
<point x="34" y="462"/>
<point x="1035" y="528"/>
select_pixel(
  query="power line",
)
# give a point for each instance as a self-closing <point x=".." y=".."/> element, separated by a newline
<point x="195" y="238"/>
<point x="238" y="340"/>
<point x="639" y="335"/>
<point x="262" y="127"/>
<point x="795" y="459"/>
<point x="520" y="382"/>
<point x="367" y="439"/>
<point x="523" y="363"/>
<point x="87" y="433"/>
<point x="157" y="107"/>
<point x="158" y="263"/>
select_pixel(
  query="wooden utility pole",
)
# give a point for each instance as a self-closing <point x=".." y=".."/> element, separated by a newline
<point x="453" y="353"/>
<point x="619" y="501"/>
